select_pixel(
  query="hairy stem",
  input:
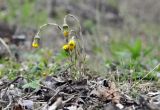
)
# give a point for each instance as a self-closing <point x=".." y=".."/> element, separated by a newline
<point x="48" y="24"/>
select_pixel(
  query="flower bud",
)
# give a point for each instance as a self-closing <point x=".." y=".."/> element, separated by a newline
<point x="65" y="30"/>
<point x="72" y="44"/>
<point x="65" y="27"/>
<point x="66" y="47"/>
<point x="36" y="41"/>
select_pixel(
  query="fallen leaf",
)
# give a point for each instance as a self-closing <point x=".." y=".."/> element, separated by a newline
<point x="107" y="93"/>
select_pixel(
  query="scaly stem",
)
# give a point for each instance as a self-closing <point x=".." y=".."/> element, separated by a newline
<point x="45" y="25"/>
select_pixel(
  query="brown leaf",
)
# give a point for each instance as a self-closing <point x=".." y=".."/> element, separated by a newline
<point x="109" y="93"/>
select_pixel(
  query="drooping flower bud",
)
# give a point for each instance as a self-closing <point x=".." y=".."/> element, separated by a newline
<point x="36" y="41"/>
<point x="65" y="30"/>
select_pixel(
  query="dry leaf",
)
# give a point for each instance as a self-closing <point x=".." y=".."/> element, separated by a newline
<point x="107" y="93"/>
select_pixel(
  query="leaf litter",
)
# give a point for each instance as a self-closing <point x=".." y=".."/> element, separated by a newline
<point x="60" y="93"/>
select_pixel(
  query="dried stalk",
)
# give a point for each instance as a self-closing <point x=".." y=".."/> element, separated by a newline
<point x="6" y="46"/>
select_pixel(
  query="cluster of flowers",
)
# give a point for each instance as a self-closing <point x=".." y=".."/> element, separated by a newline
<point x="68" y="47"/>
<point x="71" y="44"/>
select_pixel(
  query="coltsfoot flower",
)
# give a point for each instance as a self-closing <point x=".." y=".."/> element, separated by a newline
<point x="35" y="44"/>
<point x="65" y="30"/>
<point x="72" y="44"/>
<point x="66" y="47"/>
<point x="36" y="41"/>
<point x="66" y="33"/>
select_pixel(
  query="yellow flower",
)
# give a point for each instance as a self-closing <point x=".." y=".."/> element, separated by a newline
<point x="72" y="44"/>
<point x="66" y="33"/>
<point x="35" y="42"/>
<point x="65" y="47"/>
<point x="65" y="30"/>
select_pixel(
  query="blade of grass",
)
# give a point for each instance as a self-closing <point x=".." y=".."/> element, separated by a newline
<point x="145" y="76"/>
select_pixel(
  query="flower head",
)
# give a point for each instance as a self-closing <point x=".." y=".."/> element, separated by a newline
<point x="72" y="44"/>
<point x="35" y="44"/>
<point x="65" y="30"/>
<point x="66" y="33"/>
<point x="65" y="47"/>
<point x="36" y="41"/>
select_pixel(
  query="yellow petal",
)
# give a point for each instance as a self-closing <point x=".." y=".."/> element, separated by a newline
<point x="65" y="33"/>
<point x="35" y="44"/>
<point x="72" y="44"/>
<point x="65" y="47"/>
